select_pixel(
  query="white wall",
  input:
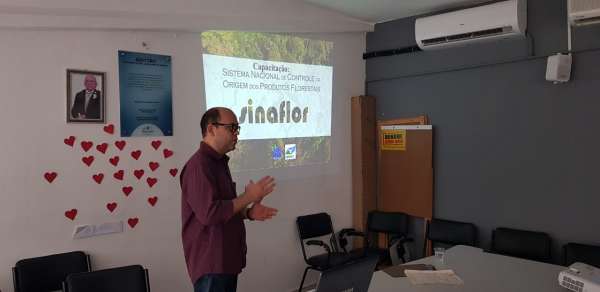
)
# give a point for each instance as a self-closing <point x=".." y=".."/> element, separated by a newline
<point x="32" y="117"/>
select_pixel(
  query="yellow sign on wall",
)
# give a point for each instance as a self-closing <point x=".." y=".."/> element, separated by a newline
<point x="393" y="139"/>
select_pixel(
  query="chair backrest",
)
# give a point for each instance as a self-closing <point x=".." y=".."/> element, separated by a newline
<point x="315" y="225"/>
<point x="47" y="273"/>
<point x="521" y="243"/>
<point x="394" y="225"/>
<point x="577" y="252"/>
<point x="122" y="279"/>
<point x="354" y="276"/>
<point x="387" y="222"/>
<point x="451" y="232"/>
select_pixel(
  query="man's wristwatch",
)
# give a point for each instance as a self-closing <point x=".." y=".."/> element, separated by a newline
<point x="248" y="214"/>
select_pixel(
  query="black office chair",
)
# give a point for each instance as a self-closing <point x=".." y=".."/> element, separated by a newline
<point x="316" y="226"/>
<point x="47" y="273"/>
<point x="447" y="233"/>
<point x="521" y="243"/>
<point x="122" y="279"/>
<point x="577" y="252"/>
<point x="395" y="227"/>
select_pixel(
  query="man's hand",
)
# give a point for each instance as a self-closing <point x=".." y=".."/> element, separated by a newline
<point x="254" y="193"/>
<point x="261" y="212"/>
<point x="257" y="191"/>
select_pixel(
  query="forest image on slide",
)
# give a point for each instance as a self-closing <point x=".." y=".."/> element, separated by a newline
<point x="263" y="46"/>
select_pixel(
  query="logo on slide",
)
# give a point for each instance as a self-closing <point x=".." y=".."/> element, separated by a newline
<point x="286" y="114"/>
<point x="276" y="152"/>
<point x="290" y="151"/>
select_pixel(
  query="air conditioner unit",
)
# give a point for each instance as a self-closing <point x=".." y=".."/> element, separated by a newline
<point x="582" y="12"/>
<point x="506" y="19"/>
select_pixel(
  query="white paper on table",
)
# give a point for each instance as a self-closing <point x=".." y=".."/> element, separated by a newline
<point x="433" y="277"/>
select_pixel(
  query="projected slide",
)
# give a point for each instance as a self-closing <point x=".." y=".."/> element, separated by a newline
<point x="280" y="87"/>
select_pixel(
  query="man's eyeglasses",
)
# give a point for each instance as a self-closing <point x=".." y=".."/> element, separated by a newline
<point x="233" y="127"/>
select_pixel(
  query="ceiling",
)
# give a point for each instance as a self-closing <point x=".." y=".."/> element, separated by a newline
<point x="199" y="15"/>
<point x="376" y="11"/>
<point x="177" y="15"/>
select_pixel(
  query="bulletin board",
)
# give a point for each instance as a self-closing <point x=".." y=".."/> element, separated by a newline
<point x="405" y="167"/>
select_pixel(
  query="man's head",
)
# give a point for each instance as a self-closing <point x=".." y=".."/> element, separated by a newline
<point x="220" y="129"/>
<point x="90" y="82"/>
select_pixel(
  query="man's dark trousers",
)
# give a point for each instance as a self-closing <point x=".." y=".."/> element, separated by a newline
<point x="216" y="283"/>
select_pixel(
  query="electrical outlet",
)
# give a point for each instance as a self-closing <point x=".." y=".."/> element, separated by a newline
<point x="109" y="227"/>
<point x="84" y="231"/>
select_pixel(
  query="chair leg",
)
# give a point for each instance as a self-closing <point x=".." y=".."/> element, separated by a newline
<point x="406" y="256"/>
<point x="303" y="277"/>
<point x="395" y="256"/>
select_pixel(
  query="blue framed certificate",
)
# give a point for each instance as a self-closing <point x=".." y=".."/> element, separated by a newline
<point x="145" y="88"/>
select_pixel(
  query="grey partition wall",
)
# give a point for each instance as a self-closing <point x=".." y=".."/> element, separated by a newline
<point x="510" y="148"/>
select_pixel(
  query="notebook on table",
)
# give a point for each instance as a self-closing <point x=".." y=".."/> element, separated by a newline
<point x="398" y="271"/>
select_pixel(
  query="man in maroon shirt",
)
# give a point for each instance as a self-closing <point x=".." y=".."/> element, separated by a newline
<point x="213" y="232"/>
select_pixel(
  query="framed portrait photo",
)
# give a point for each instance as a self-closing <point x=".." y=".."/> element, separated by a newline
<point x="85" y="96"/>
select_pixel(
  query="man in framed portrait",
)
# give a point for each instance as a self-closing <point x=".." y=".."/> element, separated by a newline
<point x="88" y="101"/>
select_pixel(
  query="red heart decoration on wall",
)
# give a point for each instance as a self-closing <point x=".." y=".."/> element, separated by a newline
<point x="98" y="178"/>
<point x="70" y="141"/>
<point x="119" y="174"/>
<point x="50" y="176"/>
<point x="86" y="145"/>
<point x="111" y="206"/>
<point x="133" y="222"/>
<point x="71" y="214"/>
<point x="153" y="165"/>
<point x="120" y="144"/>
<point x="136" y="154"/>
<point x="167" y="153"/>
<point x="88" y="160"/>
<point x="114" y="161"/>
<point x="102" y="147"/>
<point x="127" y="190"/>
<point x="173" y="171"/>
<point x="152" y="200"/>
<point x="138" y="173"/>
<point x="109" y="128"/>
<point x="151" y="181"/>
<point x="156" y="144"/>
